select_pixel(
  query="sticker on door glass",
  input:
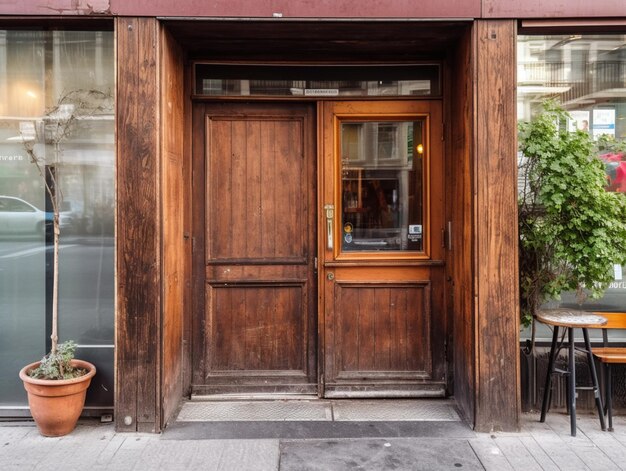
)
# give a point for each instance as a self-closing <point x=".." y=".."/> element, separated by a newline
<point x="415" y="232"/>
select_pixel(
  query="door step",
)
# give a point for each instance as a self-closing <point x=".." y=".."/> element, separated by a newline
<point x="320" y="410"/>
<point x="253" y="397"/>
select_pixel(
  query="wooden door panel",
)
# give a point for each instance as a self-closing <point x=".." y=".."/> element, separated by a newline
<point x="256" y="329"/>
<point x="383" y="328"/>
<point x="255" y="202"/>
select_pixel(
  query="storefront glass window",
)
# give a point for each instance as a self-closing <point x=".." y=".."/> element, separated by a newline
<point x="586" y="74"/>
<point x="56" y="95"/>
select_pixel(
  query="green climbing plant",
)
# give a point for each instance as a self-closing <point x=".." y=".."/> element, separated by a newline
<point x="571" y="230"/>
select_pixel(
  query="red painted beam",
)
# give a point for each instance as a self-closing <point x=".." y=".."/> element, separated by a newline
<point x="364" y="9"/>
<point x="55" y="7"/>
<point x="553" y="8"/>
<point x="303" y="8"/>
<point x="250" y="8"/>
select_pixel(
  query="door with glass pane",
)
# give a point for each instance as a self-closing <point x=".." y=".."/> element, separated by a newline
<point x="382" y="247"/>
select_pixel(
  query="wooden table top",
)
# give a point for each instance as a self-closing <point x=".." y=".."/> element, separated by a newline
<point x="570" y="318"/>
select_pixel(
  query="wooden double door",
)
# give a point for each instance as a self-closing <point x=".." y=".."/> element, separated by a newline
<point x="318" y="249"/>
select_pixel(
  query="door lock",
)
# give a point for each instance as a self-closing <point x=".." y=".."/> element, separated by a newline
<point x="330" y="276"/>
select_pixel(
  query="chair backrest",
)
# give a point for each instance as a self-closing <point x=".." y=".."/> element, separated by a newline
<point x="615" y="320"/>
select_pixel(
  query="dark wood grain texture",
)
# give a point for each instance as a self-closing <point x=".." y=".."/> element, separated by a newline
<point x="460" y="205"/>
<point x="497" y="307"/>
<point x="137" y="405"/>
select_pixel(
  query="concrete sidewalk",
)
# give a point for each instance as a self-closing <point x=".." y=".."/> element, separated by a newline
<point x="94" y="446"/>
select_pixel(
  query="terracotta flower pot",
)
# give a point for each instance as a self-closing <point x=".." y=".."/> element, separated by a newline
<point x="56" y="404"/>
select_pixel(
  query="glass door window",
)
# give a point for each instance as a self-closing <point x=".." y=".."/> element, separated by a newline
<point x="382" y="185"/>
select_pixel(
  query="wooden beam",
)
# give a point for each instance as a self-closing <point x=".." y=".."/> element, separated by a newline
<point x="137" y="405"/>
<point x="459" y="210"/>
<point x="497" y="300"/>
<point x="175" y="256"/>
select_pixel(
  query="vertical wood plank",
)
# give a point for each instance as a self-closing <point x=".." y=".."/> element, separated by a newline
<point x="348" y="328"/>
<point x="252" y="191"/>
<point x="200" y="201"/>
<point x="237" y="338"/>
<point x="235" y="236"/>
<point x="175" y="242"/>
<point x="365" y="327"/>
<point x="219" y="191"/>
<point x="189" y="235"/>
<point x="269" y="238"/>
<point x="460" y="204"/>
<point x="398" y="309"/>
<point x="138" y="227"/>
<point x="382" y="329"/>
<point x="497" y="308"/>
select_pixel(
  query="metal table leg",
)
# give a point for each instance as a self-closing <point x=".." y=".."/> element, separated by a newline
<point x="594" y="379"/>
<point x="571" y="381"/>
<point x="547" y="389"/>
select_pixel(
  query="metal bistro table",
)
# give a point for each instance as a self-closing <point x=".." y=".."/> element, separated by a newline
<point x="570" y="320"/>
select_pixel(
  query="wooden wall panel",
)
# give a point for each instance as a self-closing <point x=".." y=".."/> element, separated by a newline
<point x="175" y="250"/>
<point x="137" y="380"/>
<point x="497" y="301"/>
<point x="459" y="207"/>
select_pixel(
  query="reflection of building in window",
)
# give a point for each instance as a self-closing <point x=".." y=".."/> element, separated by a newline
<point x="585" y="73"/>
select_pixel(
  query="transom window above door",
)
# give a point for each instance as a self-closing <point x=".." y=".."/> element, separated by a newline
<point x="317" y="80"/>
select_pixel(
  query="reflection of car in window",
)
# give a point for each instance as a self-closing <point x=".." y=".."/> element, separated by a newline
<point x="20" y="217"/>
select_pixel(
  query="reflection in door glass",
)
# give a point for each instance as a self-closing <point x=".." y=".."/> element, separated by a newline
<point x="382" y="186"/>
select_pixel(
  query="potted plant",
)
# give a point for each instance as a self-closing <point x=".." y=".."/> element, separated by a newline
<point x="57" y="384"/>
<point x="572" y="231"/>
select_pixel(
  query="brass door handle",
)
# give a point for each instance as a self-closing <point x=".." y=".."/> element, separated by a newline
<point x="330" y="214"/>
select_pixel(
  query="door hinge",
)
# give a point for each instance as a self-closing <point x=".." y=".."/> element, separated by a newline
<point x="315" y="263"/>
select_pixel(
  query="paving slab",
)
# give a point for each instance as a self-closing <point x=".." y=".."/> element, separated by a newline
<point x="313" y="430"/>
<point x="378" y="454"/>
